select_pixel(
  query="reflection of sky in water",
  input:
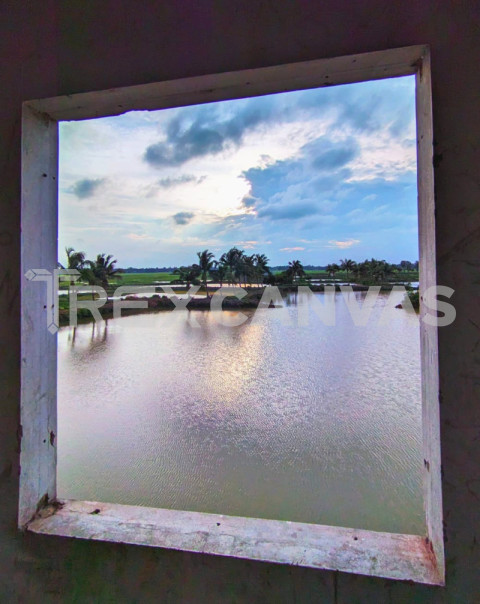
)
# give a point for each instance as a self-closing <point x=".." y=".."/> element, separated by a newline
<point x="315" y="424"/>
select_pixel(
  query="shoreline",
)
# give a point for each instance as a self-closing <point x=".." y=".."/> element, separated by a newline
<point x="159" y="303"/>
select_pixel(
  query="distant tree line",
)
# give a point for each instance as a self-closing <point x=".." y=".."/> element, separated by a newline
<point x="370" y="271"/>
<point x="235" y="267"/>
<point x="404" y="265"/>
<point x="156" y="269"/>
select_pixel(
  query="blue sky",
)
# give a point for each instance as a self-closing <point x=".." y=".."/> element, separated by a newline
<point x="313" y="175"/>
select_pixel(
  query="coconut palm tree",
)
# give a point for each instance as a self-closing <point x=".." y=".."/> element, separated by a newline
<point x="262" y="268"/>
<point x="233" y="261"/>
<point x="89" y="276"/>
<point x="332" y="269"/>
<point x="348" y="266"/>
<point x="242" y="267"/>
<point x="373" y="270"/>
<point x="249" y="268"/>
<point x="384" y="270"/>
<point x="188" y="273"/>
<point x="76" y="261"/>
<point x="206" y="264"/>
<point x="100" y="270"/>
<point x="219" y="272"/>
<point x="295" y="270"/>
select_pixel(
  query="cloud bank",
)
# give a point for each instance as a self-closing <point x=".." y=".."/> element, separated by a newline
<point x="312" y="173"/>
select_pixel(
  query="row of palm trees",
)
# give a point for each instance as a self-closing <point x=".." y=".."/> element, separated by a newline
<point x="233" y="267"/>
<point x="93" y="272"/>
<point x="370" y="270"/>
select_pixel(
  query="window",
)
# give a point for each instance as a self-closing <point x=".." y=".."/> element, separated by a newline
<point x="364" y="552"/>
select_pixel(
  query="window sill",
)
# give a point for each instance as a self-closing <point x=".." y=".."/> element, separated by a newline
<point x="387" y="555"/>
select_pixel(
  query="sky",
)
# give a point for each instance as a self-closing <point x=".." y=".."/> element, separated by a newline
<point x="316" y="176"/>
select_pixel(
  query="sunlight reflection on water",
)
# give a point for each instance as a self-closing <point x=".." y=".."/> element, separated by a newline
<point x="313" y="424"/>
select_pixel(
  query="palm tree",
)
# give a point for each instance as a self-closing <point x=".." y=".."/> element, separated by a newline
<point x="362" y="270"/>
<point x="188" y="273"/>
<point x="99" y="271"/>
<point x="76" y="261"/>
<point x="332" y="269"/>
<point x="295" y="269"/>
<point x="374" y="270"/>
<point x="249" y="268"/>
<point x="88" y="275"/>
<point x="262" y="268"/>
<point x="219" y="272"/>
<point x="206" y="264"/>
<point x="348" y="266"/>
<point x="233" y="261"/>
<point x="385" y="270"/>
<point x="242" y="267"/>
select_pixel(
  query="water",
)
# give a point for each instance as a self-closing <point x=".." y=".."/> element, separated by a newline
<point x="314" y="424"/>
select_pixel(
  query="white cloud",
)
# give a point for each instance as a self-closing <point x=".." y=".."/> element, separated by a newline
<point x="251" y="245"/>
<point x="137" y="237"/>
<point x="343" y="245"/>
<point x="128" y="207"/>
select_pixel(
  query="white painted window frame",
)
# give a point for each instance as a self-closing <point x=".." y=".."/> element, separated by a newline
<point x="388" y="555"/>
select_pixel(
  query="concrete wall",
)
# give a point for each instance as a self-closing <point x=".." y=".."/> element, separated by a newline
<point x="51" y="47"/>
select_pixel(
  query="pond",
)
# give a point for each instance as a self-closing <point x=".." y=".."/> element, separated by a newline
<point x="270" y="419"/>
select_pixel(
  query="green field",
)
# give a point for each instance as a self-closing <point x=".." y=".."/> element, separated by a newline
<point x="143" y="278"/>
<point x="151" y="278"/>
<point x="136" y="279"/>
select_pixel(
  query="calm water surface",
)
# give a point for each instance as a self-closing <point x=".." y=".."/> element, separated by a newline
<point x="314" y="424"/>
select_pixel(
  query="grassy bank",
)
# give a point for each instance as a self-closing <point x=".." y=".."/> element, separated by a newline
<point x="161" y="302"/>
<point x="135" y="279"/>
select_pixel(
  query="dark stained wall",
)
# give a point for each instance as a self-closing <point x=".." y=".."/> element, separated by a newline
<point x="52" y="47"/>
